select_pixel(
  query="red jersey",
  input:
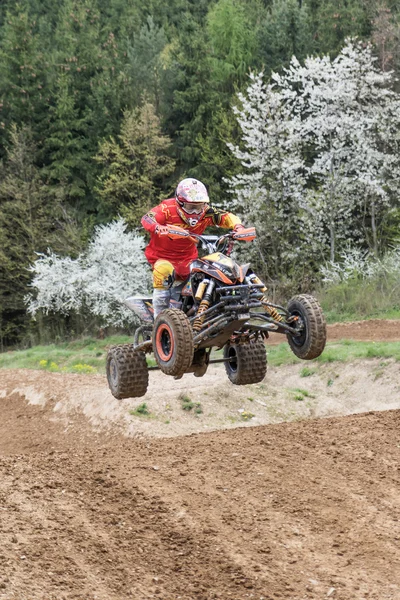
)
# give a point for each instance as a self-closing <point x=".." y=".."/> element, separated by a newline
<point x="176" y="251"/>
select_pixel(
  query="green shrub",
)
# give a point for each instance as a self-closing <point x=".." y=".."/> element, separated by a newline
<point x="186" y="401"/>
<point x="307" y="372"/>
<point x="140" y="411"/>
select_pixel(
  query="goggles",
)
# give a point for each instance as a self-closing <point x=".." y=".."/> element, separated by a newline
<point x="193" y="208"/>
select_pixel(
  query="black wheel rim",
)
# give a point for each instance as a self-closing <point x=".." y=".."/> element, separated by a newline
<point x="299" y="340"/>
<point x="232" y="355"/>
<point x="166" y="342"/>
<point x="113" y="372"/>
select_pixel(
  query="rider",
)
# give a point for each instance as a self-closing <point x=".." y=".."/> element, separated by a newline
<point x="171" y="249"/>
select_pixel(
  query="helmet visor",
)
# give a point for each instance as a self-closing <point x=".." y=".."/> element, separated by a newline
<point x="193" y="208"/>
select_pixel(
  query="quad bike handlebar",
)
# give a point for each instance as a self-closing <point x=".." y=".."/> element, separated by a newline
<point x="214" y="243"/>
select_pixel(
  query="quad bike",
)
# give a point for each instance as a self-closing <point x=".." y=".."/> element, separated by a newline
<point x="222" y="305"/>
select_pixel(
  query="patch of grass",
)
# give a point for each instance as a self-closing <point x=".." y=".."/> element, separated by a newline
<point x="186" y="401"/>
<point x="307" y="372"/>
<point x="378" y="374"/>
<point x="281" y="355"/>
<point x="299" y="394"/>
<point x="232" y="419"/>
<point x="140" y="411"/>
<point x="354" y="350"/>
<point x="83" y="368"/>
<point x="302" y="392"/>
<point x="357" y="299"/>
<point x="341" y="351"/>
<point x="88" y="356"/>
<point x="330" y="382"/>
<point x="188" y="404"/>
<point x="246" y="415"/>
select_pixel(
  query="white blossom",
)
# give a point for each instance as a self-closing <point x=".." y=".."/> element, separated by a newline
<point x="112" y="268"/>
<point x="354" y="263"/>
<point x="319" y="147"/>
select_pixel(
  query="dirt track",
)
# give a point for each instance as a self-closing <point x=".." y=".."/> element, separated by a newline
<point x="303" y="510"/>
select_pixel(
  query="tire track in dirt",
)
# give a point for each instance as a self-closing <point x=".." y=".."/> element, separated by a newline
<point x="297" y="511"/>
<point x="289" y="511"/>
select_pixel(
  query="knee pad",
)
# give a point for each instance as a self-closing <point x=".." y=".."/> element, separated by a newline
<point x="162" y="274"/>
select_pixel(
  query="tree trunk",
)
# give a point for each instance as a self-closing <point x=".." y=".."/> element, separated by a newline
<point x="373" y="228"/>
<point x="332" y="239"/>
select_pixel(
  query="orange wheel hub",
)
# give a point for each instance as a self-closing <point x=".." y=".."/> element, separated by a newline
<point x="164" y="342"/>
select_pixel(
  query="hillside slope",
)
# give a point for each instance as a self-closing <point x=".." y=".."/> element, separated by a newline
<point x="289" y="511"/>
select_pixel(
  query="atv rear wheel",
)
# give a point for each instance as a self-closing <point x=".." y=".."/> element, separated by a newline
<point x="173" y="344"/>
<point x="311" y="323"/>
<point x="127" y="373"/>
<point x="247" y="363"/>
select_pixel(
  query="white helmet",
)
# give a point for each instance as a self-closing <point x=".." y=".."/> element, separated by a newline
<point x="192" y="200"/>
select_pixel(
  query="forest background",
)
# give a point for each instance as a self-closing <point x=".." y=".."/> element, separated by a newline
<point x="106" y="104"/>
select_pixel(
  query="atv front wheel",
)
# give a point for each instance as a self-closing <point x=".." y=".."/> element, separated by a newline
<point x="127" y="372"/>
<point x="173" y="344"/>
<point x="247" y="363"/>
<point x="311" y="340"/>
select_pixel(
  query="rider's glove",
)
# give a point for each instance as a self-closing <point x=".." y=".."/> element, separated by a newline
<point x="162" y="230"/>
<point x="244" y="234"/>
<point x="172" y="231"/>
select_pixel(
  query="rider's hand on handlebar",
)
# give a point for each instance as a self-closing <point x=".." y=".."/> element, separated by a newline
<point x="172" y="231"/>
<point x="162" y="229"/>
<point x="244" y="234"/>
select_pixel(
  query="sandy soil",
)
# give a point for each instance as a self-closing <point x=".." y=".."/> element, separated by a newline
<point x="97" y="503"/>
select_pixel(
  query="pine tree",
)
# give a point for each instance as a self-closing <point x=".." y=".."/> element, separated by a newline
<point x="145" y="64"/>
<point x="85" y="101"/>
<point x="209" y="63"/>
<point x="22" y="73"/>
<point x="285" y="31"/>
<point x="135" y="166"/>
<point x="386" y="37"/>
<point x="336" y="20"/>
<point x="30" y="221"/>
<point x="66" y="144"/>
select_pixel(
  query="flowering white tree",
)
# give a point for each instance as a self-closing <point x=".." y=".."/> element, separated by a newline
<point x="270" y="191"/>
<point x="350" y="118"/>
<point x="112" y="268"/>
<point x="327" y="134"/>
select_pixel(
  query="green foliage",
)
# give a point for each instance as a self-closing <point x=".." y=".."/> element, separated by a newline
<point x="187" y="404"/>
<point x="140" y="411"/>
<point x="336" y="20"/>
<point x="286" y="31"/>
<point x="303" y="393"/>
<point x="307" y="372"/>
<point x="246" y="415"/>
<point x="67" y="151"/>
<point x="186" y="401"/>
<point x="31" y="219"/>
<point x="147" y="58"/>
<point x="358" y="298"/>
<point x="89" y="355"/>
<point x="22" y="73"/>
<point x="135" y="166"/>
<point x="233" y="43"/>
<point x="111" y="91"/>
